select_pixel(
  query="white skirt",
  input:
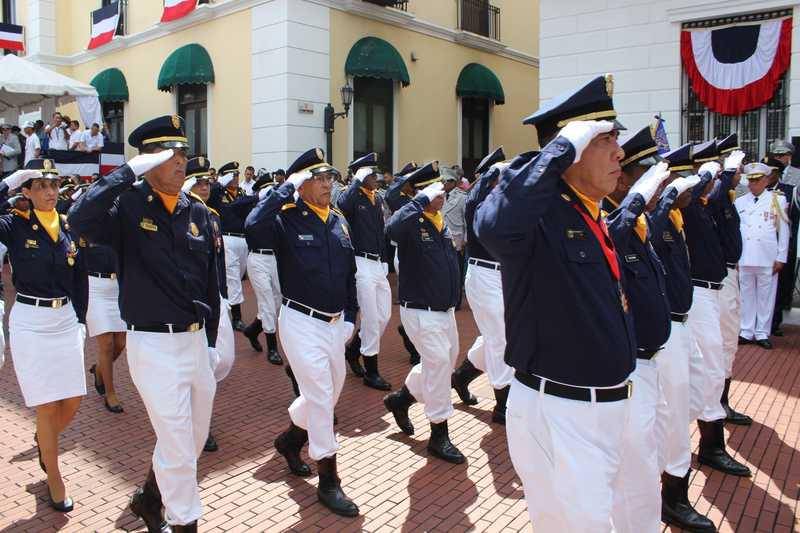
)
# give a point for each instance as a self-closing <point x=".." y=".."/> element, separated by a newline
<point x="102" y="315"/>
<point x="47" y="350"/>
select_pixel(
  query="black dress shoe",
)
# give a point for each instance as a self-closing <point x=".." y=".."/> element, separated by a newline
<point x="330" y="493"/>
<point x="440" y="446"/>
<point x="289" y="443"/>
<point x="712" y="450"/>
<point x="676" y="510"/>
<point x="113" y="408"/>
<point x="372" y="378"/>
<point x="188" y="528"/>
<point x="778" y="332"/>
<point x="743" y="341"/>
<point x="146" y="504"/>
<point x="39" y="452"/>
<point x="211" y="444"/>
<point x="413" y="359"/>
<point x="499" y="411"/>
<point x="460" y="380"/>
<point x="64" y="506"/>
<point x="98" y="385"/>
<point x="238" y="325"/>
<point x="764" y="343"/>
<point x="272" y="349"/>
<point x="252" y="333"/>
<point x="398" y="403"/>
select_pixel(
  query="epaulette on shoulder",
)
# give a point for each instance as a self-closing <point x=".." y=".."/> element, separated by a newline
<point x="196" y="198"/>
<point x="288" y="206"/>
<point x="22" y="214"/>
<point x="336" y="210"/>
<point x="214" y="211"/>
<point x="603" y="213"/>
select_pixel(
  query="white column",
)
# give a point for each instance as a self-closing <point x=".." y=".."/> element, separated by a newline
<point x="40" y="29"/>
<point x="290" y="68"/>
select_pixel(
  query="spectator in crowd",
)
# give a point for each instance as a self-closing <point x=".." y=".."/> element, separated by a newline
<point x="453" y="211"/>
<point x="33" y="148"/>
<point x="21" y="138"/>
<point x="92" y="140"/>
<point x="249" y="180"/>
<point x="75" y="135"/>
<point x="105" y="132"/>
<point x="57" y="133"/>
<point x="9" y="150"/>
<point x="212" y="174"/>
<point x="38" y="128"/>
<point x="279" y="176"/>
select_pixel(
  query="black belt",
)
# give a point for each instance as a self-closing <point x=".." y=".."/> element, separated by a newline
<point x="54" y="303"/>
<point x="310" y="311"/>
<point x="412" y="305"/>
<point x="367" y="255"/>
<point x="103" y="275"/>
<point x="707" y="284"/>
<point x="582" y="394"/>
<point x="679" y="317"/>
<point x="263" y="251"/>
<point x="731" y="265"/>
<point x="484" y="264"/>
<point x="231" y="234"/>
<point x="646" y="354"/>
<point x="166" y="328"/>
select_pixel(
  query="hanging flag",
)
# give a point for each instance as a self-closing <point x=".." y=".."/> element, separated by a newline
<point x="735" y="69"/>
<point x="661" y="136"/>
<point x="104" y="25"/>
<point x="73" y="162"/>
<point x="175" y="9"/>
<point x="111" y="157"/>
<point x="11" y="37"/>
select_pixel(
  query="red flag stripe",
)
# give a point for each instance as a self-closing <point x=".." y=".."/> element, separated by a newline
<point x="175" y="9"/>
<point x="11" y="45"/>
<point x="100" y="40"/>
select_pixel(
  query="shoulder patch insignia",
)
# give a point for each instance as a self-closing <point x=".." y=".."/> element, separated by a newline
<point x="288" y="206"/>
<point x="336" y="210"/>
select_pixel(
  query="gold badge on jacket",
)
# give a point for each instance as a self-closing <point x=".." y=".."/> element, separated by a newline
<point x="73" y="251"/>
<point x="147" y="225"/>
<point x="193" y="229"/>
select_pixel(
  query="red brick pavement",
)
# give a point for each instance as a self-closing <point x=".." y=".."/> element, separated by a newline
<point x="246" y="487"/>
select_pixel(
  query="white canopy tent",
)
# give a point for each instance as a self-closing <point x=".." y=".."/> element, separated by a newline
<point x="24" y="85"/>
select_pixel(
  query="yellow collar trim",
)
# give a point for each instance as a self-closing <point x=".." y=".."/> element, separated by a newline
<point x="591" y="206"/>
<point x="321" y="212"/>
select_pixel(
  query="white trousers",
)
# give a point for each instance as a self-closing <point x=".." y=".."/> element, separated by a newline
<point x="235" y="266"/>
<point x="375" y="303"/>
<point x="637" y="494"/>
<point x="225" y="342"/>
<point x="758" y="301"/>
<point x="729" y="318"/>
<point x="704" y="321"/>
<point x="263" y="273"/>
<point x="315" y="350"/>
<point x="567" y="454"/>
<point x="672" y="424"/>
<point x="396" y="261"/>
<point x="484" y="289"/>
<point x="435" y="335"/>
<point x="175" y="381"/>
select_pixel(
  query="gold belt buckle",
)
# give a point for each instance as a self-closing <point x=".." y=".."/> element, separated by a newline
<point x="630" y="389"/>
<point x="333" y="319"/>
<point x="56" y="304"/>
<point x="113" y="276"/>
<point x="194" y="327"/>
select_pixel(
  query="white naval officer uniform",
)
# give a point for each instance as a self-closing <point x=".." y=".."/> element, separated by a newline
<point x="765" y="240"/>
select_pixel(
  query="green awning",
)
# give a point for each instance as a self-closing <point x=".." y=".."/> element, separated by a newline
<point x="478" y="81"/>
<point x="371" y="57"/>
<point x="188" y="64"/>
<point x="111" y="85"/>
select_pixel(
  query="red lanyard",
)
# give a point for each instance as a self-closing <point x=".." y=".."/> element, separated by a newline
<point x="601" y="234"/>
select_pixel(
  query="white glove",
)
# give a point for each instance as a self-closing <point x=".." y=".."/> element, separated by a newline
<point x="712" y="166"/>
<point x="263" y="193"/>
<point x="225" y="179"/>
<point x="650" y="181"/>
<point x="21" y="176"/>
<point x="77" y="194"/>
<point x="581" y="132"/>
<point x="734" y="160"/>
<point x="213" y="358"/>
<point x="144" y="163"/>
<point x="362" y="173"/>
<point x="434" y="190"/>
<point x="299" y="178"/>
<point x="684" y="184"/>
<point x="188" y="184"/>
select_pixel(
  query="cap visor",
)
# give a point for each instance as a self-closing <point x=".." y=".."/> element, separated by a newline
<point x="173" y="144"/>
<point x="618" y="125"/>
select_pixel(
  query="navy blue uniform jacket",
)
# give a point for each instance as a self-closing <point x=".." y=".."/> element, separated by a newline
<point x="671" y="249"/>
<point x="366" y="220"/>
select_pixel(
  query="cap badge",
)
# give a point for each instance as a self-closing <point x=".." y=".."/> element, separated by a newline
<point x="202" y="161"/>
<point x="176" y="122"/>
<point x="47" y="164"/>
<point x="435" y="166"/>
<point x="610" y="84"/>
<point x="70" y="261"/>
<point x="320" y="153"/>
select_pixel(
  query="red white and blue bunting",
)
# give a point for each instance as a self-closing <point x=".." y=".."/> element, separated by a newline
<point x="735" y="69"/>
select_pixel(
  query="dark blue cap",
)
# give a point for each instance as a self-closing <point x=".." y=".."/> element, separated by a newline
<point x="409" y="168"/>
<point x="369" y="160"/>
<point x="640" y="147"/>
<point x="166" y="131"/>
<point x="46" y="166"/>
<point x="494" y="157"/>
<point x="704" y="152"/>
<point x="197" y="167"/>
<point x="728" y="144"/>
<point x="425" y="175"/>
<point x="680" y="158"/>
<point x="312" y="160"/>
<point x="233" y="166"/>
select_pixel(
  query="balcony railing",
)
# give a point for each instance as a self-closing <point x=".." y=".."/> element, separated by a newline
<point x="479" y="16"/>
<point x="401" y="4"/>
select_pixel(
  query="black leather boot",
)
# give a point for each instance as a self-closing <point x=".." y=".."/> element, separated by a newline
<point x="188" y="528"/>
<point x="146" y="504"/>
<point x="272" y="349"/>
<point x="289" y="443"/>
<point x="413" y="354"/>
<point x="211" y="444"/>
<point x="372" y="378"/>
<point x="329" y="492"/>
<point x="252" y="332"/>
<point x="712" y="450"/>
<point x="295" y="387"/>
<point x="676" y="510"/>
<point x="499" y="412"/>
<point x="398" y="403"/>
<point x="236" y="317"/>
<point x="440" y="445"/>
<point x="460" y="380"/>
<point x="351" y="353"/>
<point x="732" y="416"/>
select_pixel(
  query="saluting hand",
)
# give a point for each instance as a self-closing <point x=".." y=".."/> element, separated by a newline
<point x="225" y="179"/>
<point x="581" y="132"/>
<point x="144" y="163"/>
<point x="684" y="184"/>
<point x="362" y="173"/>
<point x="712" y="167"/>
<point x="734" y="160"/>
<point x="648" y="184"/>
<point x="21" y="176"/>
<point x="299" y="178"/>
<point x="434" y="190"/>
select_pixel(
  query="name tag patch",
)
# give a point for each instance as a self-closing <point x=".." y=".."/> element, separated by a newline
<point x="306" y="237"/>
<point x="667" y="237"/>
<point x="31" y="243"/>
<point x="631" y="258"/>
<point x="425" y="236"/>
<point x="576" y="234"/>
<point x="147" y="225"/>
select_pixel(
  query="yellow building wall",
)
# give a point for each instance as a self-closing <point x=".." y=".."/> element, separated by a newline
<point x="228" y="97"/>
<point x="440" y="12"/>
<point x="427" y="110"/>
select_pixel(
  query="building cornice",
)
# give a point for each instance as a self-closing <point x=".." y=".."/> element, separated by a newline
<point x="719" y="8"/>
<point x="206" y="12"/>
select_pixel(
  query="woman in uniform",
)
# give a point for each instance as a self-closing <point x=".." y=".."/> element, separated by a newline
<point x="46" y="334"/>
